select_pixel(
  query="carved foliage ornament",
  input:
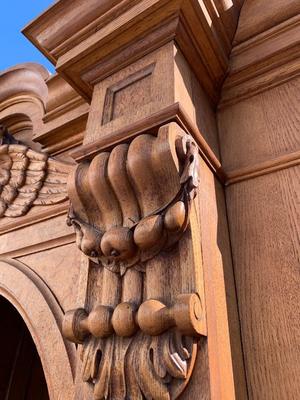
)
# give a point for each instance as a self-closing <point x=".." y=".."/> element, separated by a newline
<point x="128" y="206"/>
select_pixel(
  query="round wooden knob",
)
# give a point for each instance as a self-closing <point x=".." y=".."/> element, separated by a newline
<point x="123" y="320"/>
<point x="72" y="328"/>
<point x="99" y="321"/>
<point x="77" y="324"/>
<point x="187" y="312"/>
<point x="153" y="317"/>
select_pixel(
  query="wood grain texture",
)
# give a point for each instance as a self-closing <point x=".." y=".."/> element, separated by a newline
<point x="263" y="127"/>
<point x="227" y="375"/>
<point x="255" y="17"/>
<point x="52" y="267"/>
<point x="189" y="93"/>
<point x="114" y="37"/>
<point x="155" y="92"/>
<point x="264" y="226"/>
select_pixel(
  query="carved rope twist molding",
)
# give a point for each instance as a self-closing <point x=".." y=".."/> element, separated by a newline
<point x="128" y="207"/>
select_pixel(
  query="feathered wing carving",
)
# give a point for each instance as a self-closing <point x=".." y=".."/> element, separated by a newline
<point x="29" y="178"/>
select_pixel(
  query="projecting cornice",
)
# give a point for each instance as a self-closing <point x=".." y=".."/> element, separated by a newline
<point x="87" y="41"/>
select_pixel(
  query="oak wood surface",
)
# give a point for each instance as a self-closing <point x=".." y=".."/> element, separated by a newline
<point x="264" y="226"/>
<point x="227" y="375"/>
<point x="261" y="128"/>
<point x="145" y="63"/>
<point x="255" y="17"/>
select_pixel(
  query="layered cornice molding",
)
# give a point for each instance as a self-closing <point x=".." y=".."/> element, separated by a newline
<point x="91" y="40"/>
<point x="110" y="35"/>
<point x="266" y="50"/>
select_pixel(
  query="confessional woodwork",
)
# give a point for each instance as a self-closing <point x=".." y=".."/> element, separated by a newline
<point x="148" y="198"/>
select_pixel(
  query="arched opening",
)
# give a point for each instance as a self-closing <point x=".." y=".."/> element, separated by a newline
<point x="21" y="372"/>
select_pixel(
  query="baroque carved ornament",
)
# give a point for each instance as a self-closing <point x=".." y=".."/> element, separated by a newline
<point x="28" y="177"/>
<point x="129" y="204"/>
<point x="129" y="207"/>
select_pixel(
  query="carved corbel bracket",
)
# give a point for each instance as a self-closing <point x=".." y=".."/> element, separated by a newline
<point x="129" y="204"/>
<point x="129" y="207"/>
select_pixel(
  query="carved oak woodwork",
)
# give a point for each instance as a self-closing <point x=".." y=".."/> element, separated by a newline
<point x="130" y="206"/>
<point x="29" y="178"/>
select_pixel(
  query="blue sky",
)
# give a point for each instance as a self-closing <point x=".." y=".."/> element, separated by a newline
<point x="14" y="47"/>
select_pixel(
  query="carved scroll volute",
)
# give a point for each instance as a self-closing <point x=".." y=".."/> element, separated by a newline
<point x="129" y="208"/>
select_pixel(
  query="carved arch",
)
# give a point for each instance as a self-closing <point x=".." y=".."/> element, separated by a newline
<point x="43" y="316"/>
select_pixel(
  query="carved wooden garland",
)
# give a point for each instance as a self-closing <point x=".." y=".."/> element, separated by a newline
<point x="127" y="206"/>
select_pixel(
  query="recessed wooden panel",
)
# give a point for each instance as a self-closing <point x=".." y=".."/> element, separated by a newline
<point x="131" y="92"/>
<point x="264" y="225"/>
<point x="135" y="92"/>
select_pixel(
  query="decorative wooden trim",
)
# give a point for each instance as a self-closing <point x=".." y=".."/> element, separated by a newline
<point x="109" y="102"/>
<point x="137" y="215"/>
<point x="29" y="178"/>
<point x="13" y="224"/>
<point x="175" y="113"/>
<point x="262" y="62"/>
<point x="264" y="168"/>
<point x="38" y="247"/>
<point x="63" y="109"/>
<point x="128" y="206"/>
<point x="27" y="78"/>
<point x="199" y="28"/>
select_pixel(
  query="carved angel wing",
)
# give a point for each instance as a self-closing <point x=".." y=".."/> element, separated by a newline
<point x="28" y="178"/>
